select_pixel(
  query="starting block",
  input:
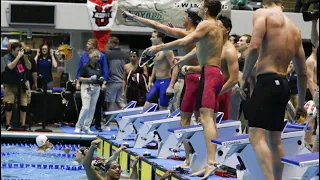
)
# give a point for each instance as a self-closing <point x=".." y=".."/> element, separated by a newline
<point x="246" y="164"/>
<point x="195" y="137"/>
<point x="129" y="109"/>
<point x="149" y="129"/>
<point x="308" y="162"/>
<point x="125" y="125"/>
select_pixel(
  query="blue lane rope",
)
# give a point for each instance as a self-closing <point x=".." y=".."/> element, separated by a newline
<point x="40" y="154"/>
<point x="73" y="147"/>
<point x="42" y="166"/>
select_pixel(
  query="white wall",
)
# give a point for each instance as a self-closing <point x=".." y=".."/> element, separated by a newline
<point x="74" y="16"/>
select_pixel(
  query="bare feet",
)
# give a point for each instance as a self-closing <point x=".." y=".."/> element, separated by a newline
<point x="209" y="169"/>
<point x="185" y="165"/>
<point x="199" y="173"/>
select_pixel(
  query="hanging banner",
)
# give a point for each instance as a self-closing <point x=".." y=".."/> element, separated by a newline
<point x="102" y="14"/>
<point x="163" y="11"/>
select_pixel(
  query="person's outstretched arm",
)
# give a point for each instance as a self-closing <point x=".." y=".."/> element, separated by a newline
<point x="169" y="31"/>
<point x="91" y="173"/>
<point x="192" y="38"/>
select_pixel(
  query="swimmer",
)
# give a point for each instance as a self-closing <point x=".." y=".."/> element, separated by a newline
<point x="191" y="80"/>
<point x="44" y="144"/>
<point x="80" y="154"/>
<point x="209" y="38"/>
<point x="315" y="43"/>
<point x="99" y="170"/>
<point x="311" y="63"/>
<point x="275" y="41"/>
<point x="82" y="151"/>
<point x="229" y="68"/>
<point x="164" y="79"/>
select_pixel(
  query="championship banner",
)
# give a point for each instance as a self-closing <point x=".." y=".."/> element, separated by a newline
<point x="102" y="14"/>
<point x="163" y="11"/>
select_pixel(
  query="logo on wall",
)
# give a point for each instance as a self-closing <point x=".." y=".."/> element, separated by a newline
<point x="146" y="14"/>
<point x="102" y="15"/>
<point x="64" y="52"/>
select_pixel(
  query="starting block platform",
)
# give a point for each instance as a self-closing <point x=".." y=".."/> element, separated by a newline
<point x="194" y="136"/>
<point x="247" y="164"/>
<point x="310" y="162"/>
<point x="157" y="129"/>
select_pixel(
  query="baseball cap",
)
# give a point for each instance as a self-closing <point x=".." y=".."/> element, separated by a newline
<point x="41" y="140"/>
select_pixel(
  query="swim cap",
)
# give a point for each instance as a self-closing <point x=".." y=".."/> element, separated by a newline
<point x="41" y="140"/>
<point x="311" y="109"/>
<point x="99" y="164"/>
<point x="193" y="14"/>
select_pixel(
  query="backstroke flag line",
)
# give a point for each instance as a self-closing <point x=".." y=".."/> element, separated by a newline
<point x="102" y="14"/>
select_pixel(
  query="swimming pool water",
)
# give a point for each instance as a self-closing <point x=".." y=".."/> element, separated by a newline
<point x="29" y="155"/>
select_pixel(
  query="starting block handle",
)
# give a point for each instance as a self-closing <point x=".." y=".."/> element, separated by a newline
<point x="176" y="113"/>
<point x="150" y="108"/>
<point x="131" y="104"/>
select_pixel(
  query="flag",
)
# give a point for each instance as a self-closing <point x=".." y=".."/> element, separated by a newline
<point x="102" y="14"/>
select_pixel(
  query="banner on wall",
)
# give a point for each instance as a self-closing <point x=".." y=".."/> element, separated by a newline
<point x="102" y="14"/>
<point x="163" y="11"/>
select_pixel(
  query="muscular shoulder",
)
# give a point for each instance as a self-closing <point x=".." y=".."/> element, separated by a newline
<point x="230" y="52"/>
<point x="205" y="24"/>
<point x="260" y="13"/>
<point x="311" y="61"/>
<point x="127" y="66"/>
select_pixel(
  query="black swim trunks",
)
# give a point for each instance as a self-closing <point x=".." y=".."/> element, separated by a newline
<point x="268" y="102"/>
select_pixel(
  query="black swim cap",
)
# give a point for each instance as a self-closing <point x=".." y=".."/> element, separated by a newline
<point x="193" y="14"/>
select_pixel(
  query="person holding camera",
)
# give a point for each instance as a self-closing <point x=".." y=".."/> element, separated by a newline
<point x="91" y="78"/>
<point x="17" y="63"/>
<point x="45" y="62"/>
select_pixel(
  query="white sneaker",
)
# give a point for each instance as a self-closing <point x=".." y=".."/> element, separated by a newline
<point x="107" y="128"/>
<point x="77" y="130"/>
<point x="89" y="131"/>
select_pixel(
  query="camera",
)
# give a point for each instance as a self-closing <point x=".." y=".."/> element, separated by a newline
<point x="27" y="52"/>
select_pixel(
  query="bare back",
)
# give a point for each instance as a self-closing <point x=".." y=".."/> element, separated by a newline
<point x="209" y="48"/>
<point x="280" y="44"/>
<point x="162" y="65"/>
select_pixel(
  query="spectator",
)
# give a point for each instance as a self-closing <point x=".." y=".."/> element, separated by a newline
<point x="32" y="75"/>
<point x="234" y="38"/>
<point x="45" y="62"/>
<point x="116" y="61"/>
<point x="90" y="78"/>
<point x="14" y="78"/>
<point x="93" y="44"/>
